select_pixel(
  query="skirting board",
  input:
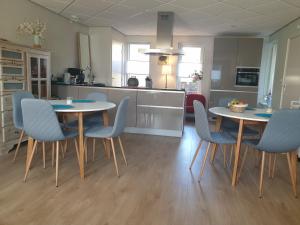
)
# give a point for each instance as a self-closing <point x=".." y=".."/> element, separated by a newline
<point x="159" y="132"/>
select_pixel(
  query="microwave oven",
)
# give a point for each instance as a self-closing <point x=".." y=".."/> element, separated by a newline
<point x="247" y="76"/>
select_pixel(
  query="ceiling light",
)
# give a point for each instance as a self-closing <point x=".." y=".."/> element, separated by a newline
<point x="74" y="18"/>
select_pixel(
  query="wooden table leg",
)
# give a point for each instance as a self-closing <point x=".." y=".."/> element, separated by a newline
<point x="106" y="124"/>
<point x="217" y="129"/>
<point x="81" y="144"/>
<point x="237" y="153"/>
<point x="29" y="150"/>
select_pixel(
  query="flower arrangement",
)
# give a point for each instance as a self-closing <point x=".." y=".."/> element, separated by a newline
<point x="36" y="29"/>
<point x="196" y="76"/>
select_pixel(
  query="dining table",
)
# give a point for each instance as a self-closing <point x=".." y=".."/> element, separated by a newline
<point x="251" y="116"/>
<point x="78" y="107"/>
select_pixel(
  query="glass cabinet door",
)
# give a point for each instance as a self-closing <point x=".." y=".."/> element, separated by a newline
<point x="35" y="88"/>
<point x="44" y="89"/>
<point x="34" y="67"/>
<point x="43" y="68"/>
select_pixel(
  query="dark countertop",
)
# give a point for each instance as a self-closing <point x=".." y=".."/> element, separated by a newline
<point x="126" y="87"/>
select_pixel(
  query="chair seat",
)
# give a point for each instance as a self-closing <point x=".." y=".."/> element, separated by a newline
<point x="247" y="132"/>
<point x="99" y="132"/>
<point x="88" y="122"/>
<point x="222" y="138"/>
<point x="70" y="133"/>
<point x="253" y="143"/>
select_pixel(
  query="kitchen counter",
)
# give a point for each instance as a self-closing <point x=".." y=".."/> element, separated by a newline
<point x="127" y="87"/>
<point x="150" y="111"/>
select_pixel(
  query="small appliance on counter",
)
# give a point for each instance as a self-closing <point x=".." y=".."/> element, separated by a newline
<point x="133" y="82"/>
<point x="77" y="76"/>
<point x="148" y="82"/>
<point x="67" y="78"/>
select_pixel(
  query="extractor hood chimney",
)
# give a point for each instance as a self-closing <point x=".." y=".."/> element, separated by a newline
<point x="164" y="38"/>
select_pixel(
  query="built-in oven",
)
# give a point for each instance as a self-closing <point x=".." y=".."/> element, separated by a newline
<point x="247" y="76"/>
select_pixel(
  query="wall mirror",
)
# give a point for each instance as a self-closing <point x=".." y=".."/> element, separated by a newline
<point x="84" y="51"/>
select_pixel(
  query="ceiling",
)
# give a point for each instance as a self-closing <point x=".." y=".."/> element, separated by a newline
<point x="192" y="17"/>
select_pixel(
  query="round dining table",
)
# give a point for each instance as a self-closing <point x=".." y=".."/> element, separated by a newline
<point x="249" y="117"/>
<point x="79" y="108"/>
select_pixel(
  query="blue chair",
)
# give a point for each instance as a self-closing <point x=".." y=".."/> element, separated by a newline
<point x="41" y="124"/>
<point x="17" y="114"/>
<point x="281" y="135"/>
<point x="214" y="138"/>
<point x="113" y="131"/>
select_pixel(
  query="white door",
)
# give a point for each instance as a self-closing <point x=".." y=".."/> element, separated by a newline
<point x="291" y="80"/>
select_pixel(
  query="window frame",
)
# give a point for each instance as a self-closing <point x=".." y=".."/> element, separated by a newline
<point x="128" y="59"/>
<point x="181" y="46"/>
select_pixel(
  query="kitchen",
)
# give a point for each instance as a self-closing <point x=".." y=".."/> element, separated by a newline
<point x="149" y="112"/>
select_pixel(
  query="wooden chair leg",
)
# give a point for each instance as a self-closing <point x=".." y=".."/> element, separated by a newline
<point x="274" y="165"/>
<point x="66" y="146"/>
<point x="76" y="148"/>
<point x="204" y="160"/>
<point x="295" y="160"/>
<point x="196" y="153"/>
<point x="213" y="153"/>
<point x="231" y="154"/>
<point x="62" y="150"/>
<point x="243" y="160"/>
<point x="270" y="164"/>
<point x="85" y="150"/>
<point x="94" y="148"/>
<point x="53" y="153"/>
<point x="18" y="146"/>
<point x="122" y="150"/>
<point x="30" y="160"/>
<point x="57" y="161"/>
<point x="114" y="155"/>
<point x="104" y="144"/>
<point x="291" y="163"/>
<point x="224" y="150"/>
<point x="44" y="155"/>
<point x="262" y="174"/>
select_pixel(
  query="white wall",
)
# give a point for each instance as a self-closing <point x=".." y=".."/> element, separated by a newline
<point x="281" y="37"/>
<point x="101" y="52"/>
<point x="155" y="70"/>
<point x="60" y="36"/>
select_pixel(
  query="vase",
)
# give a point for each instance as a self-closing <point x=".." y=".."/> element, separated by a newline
<point x="36" y="41"/>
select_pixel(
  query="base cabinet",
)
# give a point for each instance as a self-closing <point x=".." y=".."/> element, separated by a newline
<point x="157" y="112"/>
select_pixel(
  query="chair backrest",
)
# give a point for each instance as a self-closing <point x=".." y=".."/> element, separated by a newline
<point x="97" y="96"/>
<point x="40" y="120"/>
<point x="223" y="102"/>
<point x="201" y="121"/>
<point x="17" y="110"/>
<point x="120" y="120"/>
<point x="282" y="133"/>
<point x="190" y="98"/>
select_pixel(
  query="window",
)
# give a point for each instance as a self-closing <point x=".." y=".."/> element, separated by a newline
<point x="189" y="63"/>
<point x="138" y="63"/>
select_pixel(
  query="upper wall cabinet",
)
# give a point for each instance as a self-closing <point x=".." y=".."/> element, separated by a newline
<point x="249" y="52"/>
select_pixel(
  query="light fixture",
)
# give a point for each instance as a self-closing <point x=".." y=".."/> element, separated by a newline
<point x="166" y="70"/>
<point x="74" y="18"/>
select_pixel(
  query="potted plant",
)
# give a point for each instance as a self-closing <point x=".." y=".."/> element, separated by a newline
<point x="35" y="29"/>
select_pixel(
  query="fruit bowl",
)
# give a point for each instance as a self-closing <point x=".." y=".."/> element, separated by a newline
<point x="237" y="106"/>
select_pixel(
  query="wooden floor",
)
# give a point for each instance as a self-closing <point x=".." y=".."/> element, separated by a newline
<point x="157" y="188"/>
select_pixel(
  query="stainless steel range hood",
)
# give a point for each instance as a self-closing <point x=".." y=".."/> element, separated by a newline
<point x="164" y="38"/>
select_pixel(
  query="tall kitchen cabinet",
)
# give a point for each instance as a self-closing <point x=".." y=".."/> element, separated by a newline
<point x="229" y="55"/>
<point x="39" y="75"/>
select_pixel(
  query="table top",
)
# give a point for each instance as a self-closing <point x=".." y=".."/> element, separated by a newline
<point x="247" y="115"/>
<point x="83" y="107"/>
